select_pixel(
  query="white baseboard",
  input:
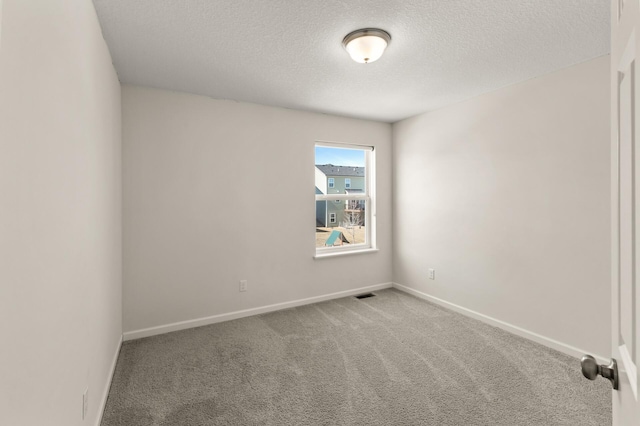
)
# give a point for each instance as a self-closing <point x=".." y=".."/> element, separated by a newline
<point x="183" y="325"/>
<point x="543" y="340"/>
<point x="105" y="392"/>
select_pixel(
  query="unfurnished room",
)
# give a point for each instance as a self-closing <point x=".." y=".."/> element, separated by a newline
<point x="331" y="212"/>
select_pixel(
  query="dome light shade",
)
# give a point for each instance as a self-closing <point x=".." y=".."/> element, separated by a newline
<point x="366" y="45"/>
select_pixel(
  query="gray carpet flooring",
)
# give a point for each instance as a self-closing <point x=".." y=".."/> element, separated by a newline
<point x="392" y="359"/>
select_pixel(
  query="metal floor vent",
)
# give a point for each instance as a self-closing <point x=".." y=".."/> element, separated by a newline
<point x="364" y="296"/>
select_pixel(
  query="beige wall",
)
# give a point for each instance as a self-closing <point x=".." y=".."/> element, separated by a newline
<point x="60" y="213"/>
<point x="219" y="191"/>
<point x="506" y="196"/>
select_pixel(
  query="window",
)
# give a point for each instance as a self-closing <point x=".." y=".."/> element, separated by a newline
<point x="345" y="216"/>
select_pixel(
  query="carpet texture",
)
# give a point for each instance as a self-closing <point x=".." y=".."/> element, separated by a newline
<point x="392" y="359"/>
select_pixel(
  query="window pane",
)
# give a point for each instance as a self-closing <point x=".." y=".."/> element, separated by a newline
<point x="339" y="170"/>
<point x="350" y="230"/>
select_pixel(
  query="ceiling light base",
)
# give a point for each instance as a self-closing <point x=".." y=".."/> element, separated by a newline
<point x="367" y="44"/>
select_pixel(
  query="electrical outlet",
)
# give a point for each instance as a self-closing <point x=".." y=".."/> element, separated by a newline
<point x="85" y="403"/>
<point x="243" y="285"/>
<point x="432" y="274"/>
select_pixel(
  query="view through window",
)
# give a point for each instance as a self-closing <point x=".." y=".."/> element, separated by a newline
<point x="343" y="198"/>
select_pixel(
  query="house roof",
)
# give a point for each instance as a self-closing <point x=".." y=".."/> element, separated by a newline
<point x="331" y="170"/>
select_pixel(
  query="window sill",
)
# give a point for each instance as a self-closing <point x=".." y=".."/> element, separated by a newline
<point x="345" y="253"/>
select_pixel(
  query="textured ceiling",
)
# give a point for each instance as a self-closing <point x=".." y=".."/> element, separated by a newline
<point x="288" y="53"/>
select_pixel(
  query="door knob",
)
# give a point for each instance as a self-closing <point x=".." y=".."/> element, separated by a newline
<point x="591" y="370"/>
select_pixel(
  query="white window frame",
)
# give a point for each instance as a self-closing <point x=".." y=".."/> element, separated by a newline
<point x="331" y="182"/>
<point x="347" y="183"/>
<point x="368" y="196"/>
<point x="332" y="217"/>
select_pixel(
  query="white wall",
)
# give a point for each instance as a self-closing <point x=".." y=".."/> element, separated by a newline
<point x="60" y="213"/>
<point x="218" y="191"/>
<point x="506" y="196"/>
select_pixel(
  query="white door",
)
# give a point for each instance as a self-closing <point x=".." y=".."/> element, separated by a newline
<point x="625" y="208"/>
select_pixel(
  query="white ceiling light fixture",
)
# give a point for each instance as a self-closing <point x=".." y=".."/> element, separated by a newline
<point x="366" y="45"/>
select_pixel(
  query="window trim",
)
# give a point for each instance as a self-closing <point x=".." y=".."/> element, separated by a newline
<point x="369" y="198"/>
<point x="347" y="182"/>
<point x="332" y="217"/>
<point x="331" y="183"/>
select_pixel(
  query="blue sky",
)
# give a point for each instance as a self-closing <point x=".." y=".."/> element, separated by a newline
<point x="339" y="156"/>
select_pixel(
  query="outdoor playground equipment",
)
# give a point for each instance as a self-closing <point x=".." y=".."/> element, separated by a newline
<point x="335" y="235"/>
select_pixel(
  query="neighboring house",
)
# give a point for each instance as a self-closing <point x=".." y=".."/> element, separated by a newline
<point x="332" y="179"/>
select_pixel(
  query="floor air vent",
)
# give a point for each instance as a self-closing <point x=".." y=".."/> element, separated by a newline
<point x="364" y="296"/>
